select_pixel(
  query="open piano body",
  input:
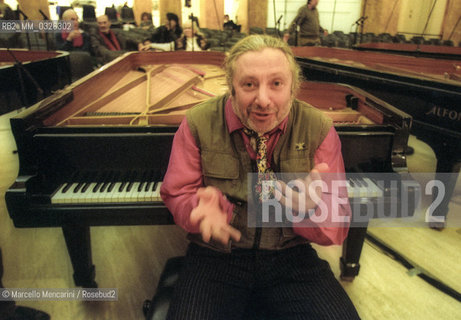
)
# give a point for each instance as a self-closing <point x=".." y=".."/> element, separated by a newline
<point x="427" y="89"/>
<point x="95" y="153"/>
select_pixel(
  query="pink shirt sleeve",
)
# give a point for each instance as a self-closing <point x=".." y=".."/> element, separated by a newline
<point x="183" y="178"/>
<point x="329" y="231"/>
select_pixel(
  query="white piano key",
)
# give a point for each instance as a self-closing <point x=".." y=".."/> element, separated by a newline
<point x="156" y="194"/>
<point x="374" y="190"/>
<point x="113" y="196"/>
<point x="59" y="196"/>
<point x="350" y="189"/>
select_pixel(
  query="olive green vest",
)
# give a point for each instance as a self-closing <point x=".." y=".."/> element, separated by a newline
<point x="225" y="164"/>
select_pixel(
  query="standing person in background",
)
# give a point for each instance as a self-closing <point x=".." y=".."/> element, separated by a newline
<point x="5" y="11"/>
<point x="309" y="26"/>
<point x="77" y="39"/>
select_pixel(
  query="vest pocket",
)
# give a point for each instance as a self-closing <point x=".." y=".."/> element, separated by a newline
<point x="295" y="165"/>
<point x="219" y="165"/>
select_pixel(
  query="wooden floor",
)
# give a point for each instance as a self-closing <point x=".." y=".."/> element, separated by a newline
<point x="131" y="259"/>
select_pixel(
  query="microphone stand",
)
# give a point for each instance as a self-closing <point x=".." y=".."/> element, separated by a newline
<point x="277" y="25"/>
<point x="193" y="35"/>
<point x="24" y="17"/>
<point x="46" y="34"/>
<point x="358" y="23"/>
<point x="20" y="67"/>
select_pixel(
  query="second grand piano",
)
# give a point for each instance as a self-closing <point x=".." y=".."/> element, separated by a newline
<point x="94" y="154"/>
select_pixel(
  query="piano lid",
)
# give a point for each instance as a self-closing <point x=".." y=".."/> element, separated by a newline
<point x="443" y="71"/>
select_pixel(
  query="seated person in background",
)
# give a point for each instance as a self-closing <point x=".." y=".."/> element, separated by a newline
<point x="229" y="24"/>
<point x="146" y="21"/>
<point x="106" y="43"/>
<point x="77" y="39"/>
<point x="170" y="32"/>
<point x="192" y="40"/>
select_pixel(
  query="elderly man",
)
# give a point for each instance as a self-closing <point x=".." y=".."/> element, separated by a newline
<point x="75" y="40"/>
<point x="106" y="43"/>
<point x="309" y="26"/>
<point x="258" y="126"/>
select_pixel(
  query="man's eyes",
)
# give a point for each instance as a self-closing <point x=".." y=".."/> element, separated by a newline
<point x="251" y="84"/>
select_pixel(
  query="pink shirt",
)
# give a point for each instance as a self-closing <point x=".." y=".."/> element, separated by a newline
<point x="184" y="177"/>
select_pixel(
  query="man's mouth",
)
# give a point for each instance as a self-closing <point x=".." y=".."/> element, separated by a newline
<point x="261" y="115"/>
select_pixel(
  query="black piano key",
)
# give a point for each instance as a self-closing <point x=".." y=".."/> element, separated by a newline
<point x="106" y="181"/>
<point x="91" y="177"/>
<point x="150" y="181"/>
<point x="70" y="182"/>
<point x="125" y="180"/>
<point x="85" y="187"/>
<point x="114" y="181"/>
<point x="99" y="181"/>
<point x="357" y="182"/>
<point x="82" y="181"/>
<point x="154" y="186"/>
<point x="132" y="180"/>
<point x="143" y="181"/>
<point x="67" y="187"/>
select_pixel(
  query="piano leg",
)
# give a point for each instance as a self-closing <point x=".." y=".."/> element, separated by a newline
<point x="447" y="171"/>
<point x="78" y="244"/>
<point x="352" y="248"/>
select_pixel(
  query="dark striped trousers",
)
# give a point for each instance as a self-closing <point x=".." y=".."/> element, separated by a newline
<point x="292" y="283"/>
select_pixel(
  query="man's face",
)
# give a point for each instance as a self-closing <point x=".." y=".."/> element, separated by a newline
<point x="262" y="83"/>
<point x="171" y="24"/>
<point x="103" y="24"/>
<point x="313" y="3"/>
<point x="187" y="32"/>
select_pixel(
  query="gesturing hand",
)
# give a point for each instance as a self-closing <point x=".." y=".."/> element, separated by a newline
<point x="211" y="218"/>
<point x="302" y="199"/>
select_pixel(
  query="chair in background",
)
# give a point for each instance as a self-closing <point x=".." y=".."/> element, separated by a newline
<point x="111" y="13"/>
<point x="256" y="30"/>
<point x="61" y="9"/>
<point x="127" y="15"/>
<point x="81" y="64"/>
<point x="89" y="14"/>
<point x="448" y="43"/>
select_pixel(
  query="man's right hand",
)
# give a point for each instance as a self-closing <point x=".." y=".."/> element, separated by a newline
<point x="211" y="219"/>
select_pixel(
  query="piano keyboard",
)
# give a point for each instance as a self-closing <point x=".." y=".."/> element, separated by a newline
<point x="149" y="191"/>
<point x="108" y="189"/>
<point x="363" y="188"/>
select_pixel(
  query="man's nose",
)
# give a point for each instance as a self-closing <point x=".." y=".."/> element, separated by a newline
<point x="262" y="98"/>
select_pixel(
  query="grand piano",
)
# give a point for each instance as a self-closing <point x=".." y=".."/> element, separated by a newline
<point x="95" y="153"/>
<point x="427" y="89"/>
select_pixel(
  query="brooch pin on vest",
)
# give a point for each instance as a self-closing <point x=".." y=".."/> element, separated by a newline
<point x="300" y="146"/>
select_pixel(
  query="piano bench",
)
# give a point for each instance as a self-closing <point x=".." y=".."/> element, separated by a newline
<point x="157" y="308"/>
